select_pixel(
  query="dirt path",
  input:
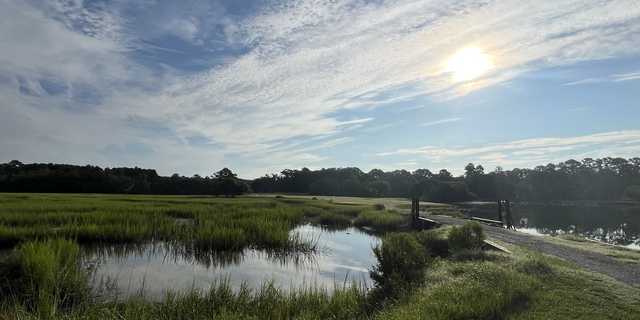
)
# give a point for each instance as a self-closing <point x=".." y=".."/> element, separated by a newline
<point x="628" y="273"/>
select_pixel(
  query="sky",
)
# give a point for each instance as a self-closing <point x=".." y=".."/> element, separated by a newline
<point x="258" y="86"/>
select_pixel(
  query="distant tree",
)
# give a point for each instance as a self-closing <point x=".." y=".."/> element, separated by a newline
<point x="228" y="184"/>
<point x="444" y="175"/>
<point x="15" y="164"/>
<point x="422" y="174"/>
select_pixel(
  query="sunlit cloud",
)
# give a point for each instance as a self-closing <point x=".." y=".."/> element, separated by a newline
<point x="468" y="64"/>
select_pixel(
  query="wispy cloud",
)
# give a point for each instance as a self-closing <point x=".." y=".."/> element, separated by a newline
<point x="620" y="77"/>
<point x="439" y="122"/>
<point x="626" y="76"/>
<point x="532" y="151"/>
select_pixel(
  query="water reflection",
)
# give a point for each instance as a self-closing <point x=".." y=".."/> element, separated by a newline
<point x="152" y="269"/>
<point x="613" y="223"/>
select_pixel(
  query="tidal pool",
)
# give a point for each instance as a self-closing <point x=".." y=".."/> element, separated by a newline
<point x="613" y="223"/>
<point x="345" y="258"/>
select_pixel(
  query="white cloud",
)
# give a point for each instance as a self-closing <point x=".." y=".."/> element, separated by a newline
<point x="441" y="121"/>
<point x="187" y="29"/>
<point x="312" y="58"/>
<point x="534" y="151"/>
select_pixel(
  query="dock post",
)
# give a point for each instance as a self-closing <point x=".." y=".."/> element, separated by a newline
<point x="415" y="210"/>
<point x="499" y="210"/>
<point x="509" y="217"/>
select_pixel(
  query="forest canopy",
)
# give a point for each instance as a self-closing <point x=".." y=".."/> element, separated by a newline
<point x="606" y="179"/>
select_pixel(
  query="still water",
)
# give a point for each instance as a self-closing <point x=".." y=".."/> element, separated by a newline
<point x="345" y="258"/>
<point x="617" y="224"/>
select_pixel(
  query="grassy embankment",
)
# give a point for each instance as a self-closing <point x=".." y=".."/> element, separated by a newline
<point x="438" y="274"/>
<point x="523" y="285"/>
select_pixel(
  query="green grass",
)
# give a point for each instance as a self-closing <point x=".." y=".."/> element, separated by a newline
<point x="421" y="275"/>
<point x="206" y="223"/>
<point x="44" y="278"/>
<point x="619" y="253"/>
<point x="381" y="220"/>
<point x="524" y="285"/>
<point x="222" y="302"/>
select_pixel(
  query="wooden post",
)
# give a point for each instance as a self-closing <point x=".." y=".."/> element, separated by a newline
<point x="415" y="210"/>
<point x="509" y="217"/>
<point x="499" y="210"/>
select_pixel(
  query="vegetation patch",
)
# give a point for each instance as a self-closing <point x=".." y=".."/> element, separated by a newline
<point x="381" y="220"/>
<point x="44" y="278"/>
<point x="466" y="237"/>
<point x="435" y="274"/>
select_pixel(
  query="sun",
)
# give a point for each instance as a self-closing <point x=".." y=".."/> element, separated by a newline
<point x="468" y="64"/>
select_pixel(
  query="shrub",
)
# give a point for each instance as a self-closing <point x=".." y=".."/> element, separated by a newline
<point x="535" y="266"/>
<point x="469" y="254"/>
<point x="379" y="206"/>
<point x="401" y="263"/>
<point x="435" y="245"/>
<point x="466" y="237"/>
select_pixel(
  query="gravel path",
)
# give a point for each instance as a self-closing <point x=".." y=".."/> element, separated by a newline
<point x="628" y="273"/>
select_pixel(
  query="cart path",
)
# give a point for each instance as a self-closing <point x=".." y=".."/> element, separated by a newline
<point x="628" y="273"/>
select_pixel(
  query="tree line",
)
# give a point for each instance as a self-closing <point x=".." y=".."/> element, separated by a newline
<point x="42" y="177"/>
<point x="606" y="179"/>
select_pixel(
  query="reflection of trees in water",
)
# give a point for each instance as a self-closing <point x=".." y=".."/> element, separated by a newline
<point x="614" y="223"/>
<point x="179" y="253"/>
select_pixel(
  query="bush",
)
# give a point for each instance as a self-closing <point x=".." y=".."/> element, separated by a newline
<point x="379" y="206"/>
<point x="401" y="263"/>
<point x="535" y="266"/>
<point x="466" y="237"/>
<point x="469" y="254"/>
<point x="435" y="245"/>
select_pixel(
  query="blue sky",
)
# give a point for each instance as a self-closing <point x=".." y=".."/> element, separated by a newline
<point x="259" y="86"/>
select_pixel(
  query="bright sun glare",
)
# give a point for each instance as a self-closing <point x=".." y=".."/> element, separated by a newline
<point x="468" y="64"/>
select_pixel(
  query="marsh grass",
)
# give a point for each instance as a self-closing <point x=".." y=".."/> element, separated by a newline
<point x="44" y="277"/>
<point x="420" y="275"/>
<point x="381" y="220"/>
<point x="519" y="286"/>
<point x="213" y="223"/>
<point x="222" y="301"/>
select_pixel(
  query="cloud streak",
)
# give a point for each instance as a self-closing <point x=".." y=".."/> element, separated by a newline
<point x="620" y="77"/>
<point x="531" y="151"/>
<point x="439" y="122"/>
